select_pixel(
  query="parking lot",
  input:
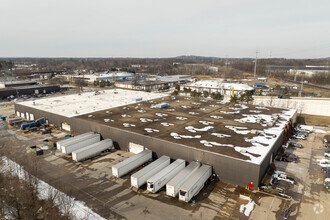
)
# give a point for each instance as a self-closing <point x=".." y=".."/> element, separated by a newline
<point x="91" y="182"/>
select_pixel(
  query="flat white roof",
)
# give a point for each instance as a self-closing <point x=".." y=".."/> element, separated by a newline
<point x="84" y="103"/>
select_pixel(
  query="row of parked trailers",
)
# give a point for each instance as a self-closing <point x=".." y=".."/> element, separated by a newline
<point x="84" y="146"/>
<point x="23" y="124"/>
<point x="178" y="179"/>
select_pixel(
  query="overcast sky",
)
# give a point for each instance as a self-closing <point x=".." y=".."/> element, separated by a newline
<point x="153" y="28"/>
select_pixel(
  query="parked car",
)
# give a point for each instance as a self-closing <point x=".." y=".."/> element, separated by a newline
<point x="327" y="153"/>
<point x="325" y="169"/>
<point x="327" y="145"/>
<point x="288" y="157"/>
<point x="324" y="162"/>
<point x="327" y="174"/>
<point x="287" y="214"/>
<point x="299" y="136"/>
<point x="327" y="183"/>
<point x="295" y="144"/>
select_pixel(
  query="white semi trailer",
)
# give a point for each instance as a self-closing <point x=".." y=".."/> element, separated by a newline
<point x="173" y="186"/>
<point x="160" y="179"/>
<point x="131" y="163"/>
<point x="59" y="143"/>
<point x="140" y="178"/>
<point x="92" y="150"/>
<point x="69" y="147"/>
<point x="195" y="183"/>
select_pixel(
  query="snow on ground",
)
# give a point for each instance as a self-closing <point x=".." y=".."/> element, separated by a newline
<point x="320" y="131"/>
<point x="193" y="129"/>
<point x="206" y="122"/>
<point x="215" y="116"/>
<point x="228" y="113"/>
<point x="145" y="120"/>
<point x="126" y="116"/>
<point x="213" y="143"/>
<point x="261" y="107"/>
<point x="127" y="125"/>
<point x="248" y="208"/>
<point x="181" y="118"/>
<point x="142" y="111"/>
<point x="178" y="136"/>
<point x="219" y="135"/>
<point x="193" y="113"/>
<point x="238" y="130"/>
<point x="77" y="208"/>
<point x="166" y="124"/>
<point x="108" y="120"/>
<point x="161" y="114"/>
<point x="150" y="130"/>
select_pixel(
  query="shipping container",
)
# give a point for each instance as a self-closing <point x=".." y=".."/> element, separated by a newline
<point x="28" y="125"/>
<point x="68" y="148"/>
<point x="140" y="178"/>
<point x="126" y="166"/>
<point x="59" y="143"/>
<point x="156" y="182"/>
<point x="173" y="186"/>
<point x="12" y="120"/>
<point x="18" y="123"/>
<point x="195" y="183"/>
<point x="92" y="150"/>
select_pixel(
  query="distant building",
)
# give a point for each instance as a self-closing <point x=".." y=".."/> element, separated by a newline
<point x="90" y="78"/>
<point x="218" y="86"/>
<point x="299" y="70"/>
<point x="144" y="85"/>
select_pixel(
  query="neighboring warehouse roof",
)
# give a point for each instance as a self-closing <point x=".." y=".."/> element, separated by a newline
<point x="37" y="86"/>
<point x="17" y="83"/>
<point x="78" y="104"/>
<point x="218" y="84"/>
<point x="217" y="126"/>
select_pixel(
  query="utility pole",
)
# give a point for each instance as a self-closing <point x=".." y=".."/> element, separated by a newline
<point x="255" y="64"/>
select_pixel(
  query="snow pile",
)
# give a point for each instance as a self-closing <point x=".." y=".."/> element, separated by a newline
<point x="178" y="136"/>
<point x="215" y="116"/>
<point x="187" y="98"/>
<point x="127" y="125"/>
<point x="254" y="111"/>
<point x="320" y="131"/>
<point x="181" y="118"/>
<point x="170" y="110"/>
<point x="193" y="113"/>
<point x="185" y="106"/>
<point x="212" y="143"/>
<point x="108" y="120"/>
<point x="142" y="111"/>
<point x="261" y="107"/>
<point x="204" y="109"/>
<point x="193" y="129"/>
<point x="145" y="120"/>
<point x="125" y="108"/>
<point x="108" y="112"/>
<point x="238" y="130"/>
<point x="223" y="102"/>
<point x="126" y="116"/>
<point x="228" y="113"/>
<point x="150" y="130"/>
<point x="196" y="103"/>
<point x="166" y="124"/>
<point x="219" y="135"/>
<point x="248" y="208"/>
<point x="161" y="114"/>
<point x="46" y="191"/>
<point x="206" y="122"/>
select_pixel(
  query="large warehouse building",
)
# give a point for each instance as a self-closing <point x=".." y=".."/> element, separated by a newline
<point x="238" y="140"/>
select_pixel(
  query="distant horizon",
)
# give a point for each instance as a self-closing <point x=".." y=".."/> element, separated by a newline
<point x="178" y="57"/>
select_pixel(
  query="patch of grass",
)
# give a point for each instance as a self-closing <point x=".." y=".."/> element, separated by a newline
<point x="315" y="120"/>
